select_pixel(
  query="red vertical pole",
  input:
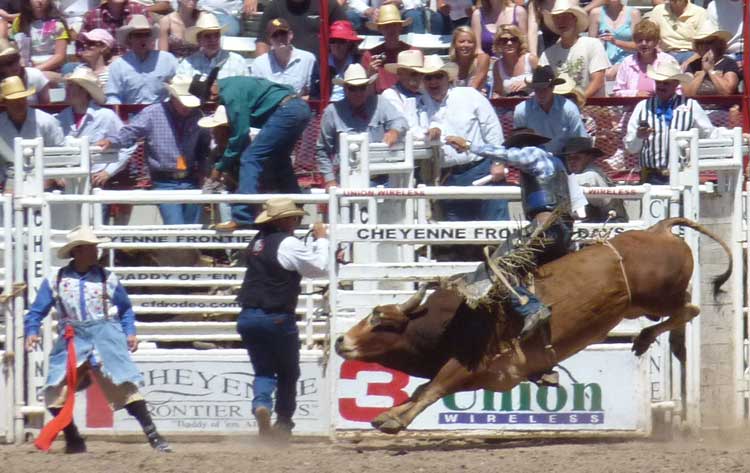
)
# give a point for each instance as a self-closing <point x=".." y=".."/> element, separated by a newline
<point x="746" y="67"/>
<point x="325" y="83"/>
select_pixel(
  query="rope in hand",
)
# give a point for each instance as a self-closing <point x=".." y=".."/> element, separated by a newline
<point x="65" y="417"/>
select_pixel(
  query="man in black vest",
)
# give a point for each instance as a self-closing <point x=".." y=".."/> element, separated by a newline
<point x="276" y="263"/>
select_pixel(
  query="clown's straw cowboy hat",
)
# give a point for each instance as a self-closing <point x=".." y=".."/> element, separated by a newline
<point x="13" y="88"/>
<point x="277" y="208"/>
<point x="355" y="75"/>
<point x="206" y="22"/>
<point x="668" y="71"/>
<point x="79" y="236"/>
<point x="136" y="23"/>
<point x="388" y="14"/>
<point x="86" y="78"/>
<point x="564" y="6"/>
<point x="521" y="137"/>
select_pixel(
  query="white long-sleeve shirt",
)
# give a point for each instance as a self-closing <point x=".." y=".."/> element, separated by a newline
<point x="311" y="261"/>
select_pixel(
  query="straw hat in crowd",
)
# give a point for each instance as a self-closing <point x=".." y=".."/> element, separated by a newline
<point x="179" y="88"/>
<point x="565" y="6"/>
<point x="709" y="30"/>
<point x="13" y="88"/>
<point x="136" y="23"/>
<point x="434" y="63"/>
<point x="79" y="236"/>
<point x="206" y="22"/>
<point x="389" y="14"/>
<point x="411" y="59"/>
<point x="278" y="207"/>
<point x="355" y="75"/>
<point x="668" y="71"/>
<point x="86" y="78"/>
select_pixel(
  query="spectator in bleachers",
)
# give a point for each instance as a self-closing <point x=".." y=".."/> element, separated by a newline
<point x="632" y="78"/>
<point x="360" y="12"/>
<point x="156" y="7"/>
<point x="265" y="164"/>
<point x="464" y="112"/>
<point x="9" y="9"/>
<point x="490" y="14"/>
<point x="613" y="23"/>
<point x="96" y="52"/>
<point x="582" y="58"/>
<point x="85" y="116"/>
<point x="303" y="17"/>
<point x="343" y="46"/>
<point x="361" y="111"/>
<point x="139" y="75"/>
<point x="572" y="92"/>
<point x="655" y="118"/>
<point x="550" y="114"/>
<point x="728" y="17"/>
<point x="40" y="29"/>
<point x="579" y="155"/>
<point x="406" y="94"/>
<point x="514" y="63"/>
<point x="33" y="78"/>
<point x="229" y="13"/>
<point x="539" y="25"/>
<point x="173" y="28"/>
<point x="451" y="15"/>
<point x="419" y="12"/>
<point x="285" y="64"/>
<point x="390" y="25"/>
<point x="473" y="64"/>
<point x="111" y="16"/>
<point x="175" y="146"/>
<point x="678" y="22"/>
<point x="207" y="35"/>
<point x="20" y="120"/>
<point x="714" y="71"/>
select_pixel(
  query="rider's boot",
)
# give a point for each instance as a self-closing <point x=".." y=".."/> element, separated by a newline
<point x="533" y="311"/>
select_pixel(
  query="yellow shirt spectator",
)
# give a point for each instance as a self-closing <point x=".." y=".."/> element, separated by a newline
<point x="677" y="30"/>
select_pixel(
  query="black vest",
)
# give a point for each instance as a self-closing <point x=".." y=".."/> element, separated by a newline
<point x="544" y="194"/>
<point x="267" y="284"/>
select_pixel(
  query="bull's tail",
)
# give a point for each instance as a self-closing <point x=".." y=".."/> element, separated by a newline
<point x="666" y="226"/>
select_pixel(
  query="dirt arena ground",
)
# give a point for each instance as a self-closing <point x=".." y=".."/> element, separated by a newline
<point x="402" y="455"/>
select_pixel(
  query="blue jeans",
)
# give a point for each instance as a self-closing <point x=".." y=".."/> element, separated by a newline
<point x="357" y="21"/>
<point x="178" y="214"/>
<point x="272" y="341"/>
<point x="681" y="56"/>
<point x="267" y="159"/>
<point x="464" y="210"/>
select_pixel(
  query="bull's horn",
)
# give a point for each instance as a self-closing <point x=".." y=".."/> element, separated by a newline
<point x="414" y="300"/>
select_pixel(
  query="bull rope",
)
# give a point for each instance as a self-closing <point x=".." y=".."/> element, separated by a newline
<point x="622" y="267"/>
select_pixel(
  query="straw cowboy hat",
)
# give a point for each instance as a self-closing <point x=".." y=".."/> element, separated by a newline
<point x="136" y="23"/>
<point x="411" y="59"/>
<point x="87" y="79"/>
<point x="13" y="88"/>
<point x="278" y="207"/>
<point x="569" y="87"/>
<point x="206" y="22"/>
<point x="668" y="71"/>
<point x="387" y="15"/>
<point x="707" y="30"/>
<point x="564" y="6"/>
<point x="583" y="145"/>
<point x="355" y="75"/>
<point x="521" y="137"/>
<point x="218" y="118"/>
<point x="79" y="236"/>
<point x="434" y="63"/>
<point x="7" y="48"/>
<point x="179" y="88"/>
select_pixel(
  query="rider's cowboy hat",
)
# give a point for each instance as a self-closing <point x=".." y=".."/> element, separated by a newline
<point x="707" y="30"/>
<point x="355" y="75"/>
<point x="86" y="78"/>
<point x="564" y="6"/>
<point x="434" y="63"/>
<point x="521" y="137"/>
<point x="79" y="236"/>
<point x="388" y="14"/>
<point x="278" y="207"/>
<point x="581" y="144"/>
<point x="179" y="88"/>
<point x="544" y="76"/>
<point x="411" y="59"/>
<point x="219" y="118"/>
<point x="664" y="71"/>
<point x="206" y="22"/>
<point x="136" y="23"/>
<point x="13" y="88"/>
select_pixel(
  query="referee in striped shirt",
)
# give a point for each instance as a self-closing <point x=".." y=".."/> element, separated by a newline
<point x="655" y="118"/>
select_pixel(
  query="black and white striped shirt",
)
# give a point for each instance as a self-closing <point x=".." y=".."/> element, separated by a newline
<point x="686" y="113"/>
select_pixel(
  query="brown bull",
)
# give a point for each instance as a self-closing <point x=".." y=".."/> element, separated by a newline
<point x="589" y="292"/>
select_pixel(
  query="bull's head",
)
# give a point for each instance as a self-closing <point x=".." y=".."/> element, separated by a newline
<point x="381" y="331"/>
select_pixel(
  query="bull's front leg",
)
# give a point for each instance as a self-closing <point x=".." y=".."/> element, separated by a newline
<point x="676" y="320"/>
<point x="451" y="378"/>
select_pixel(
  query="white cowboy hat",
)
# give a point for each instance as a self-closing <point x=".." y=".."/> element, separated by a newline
<point x="218" y="118"/>
<point x="434" y="63"/>
<point x="136" y="23"/>
<point x="564" y="6"/>
<point x="569" y="86"/>
<point x="87" y="79"/>
<point x="708" y="29"/>
<point x="355" y="75"/>
<point x="179" y="88"/>
<point x="206" y="22"/>
<point x="82" y="235"/>
<point x="411" y="59"/>
<point x="278" y="207"/>
<point x="13" y="88"/>
<point x="668" y="71"/>
<point x="388" y="14"/>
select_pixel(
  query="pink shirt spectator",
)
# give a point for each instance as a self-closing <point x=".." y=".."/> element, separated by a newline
<point x="631" y="79"/>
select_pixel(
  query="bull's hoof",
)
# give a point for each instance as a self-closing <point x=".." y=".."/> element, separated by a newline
<point x="387" y="424"/>
<point x="641" y="344"/>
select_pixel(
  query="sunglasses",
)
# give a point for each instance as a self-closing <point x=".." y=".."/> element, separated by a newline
<point x="436" y="76"/>
<point x="92" y="44"/>
<point x="508" y="39"/>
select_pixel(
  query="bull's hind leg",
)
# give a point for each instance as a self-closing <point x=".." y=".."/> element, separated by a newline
<point x="676" y="320"/>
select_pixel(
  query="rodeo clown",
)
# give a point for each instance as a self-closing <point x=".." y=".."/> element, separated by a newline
<point x="94" y="340"/>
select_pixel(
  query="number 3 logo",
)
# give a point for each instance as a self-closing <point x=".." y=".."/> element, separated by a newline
<point x="394" y="389"/>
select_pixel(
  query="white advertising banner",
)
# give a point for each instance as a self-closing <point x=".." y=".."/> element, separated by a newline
<point x="604" y="388"/>
<point x="204" y="391"/>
